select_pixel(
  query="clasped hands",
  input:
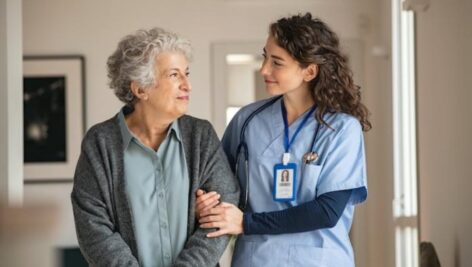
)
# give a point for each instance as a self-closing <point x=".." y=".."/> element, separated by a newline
<point x="225" y="217"/>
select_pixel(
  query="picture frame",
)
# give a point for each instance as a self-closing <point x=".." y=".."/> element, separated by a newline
<point x="53" y="116"/>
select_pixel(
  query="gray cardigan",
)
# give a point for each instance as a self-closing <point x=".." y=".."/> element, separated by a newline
<point x="102" y="212"/>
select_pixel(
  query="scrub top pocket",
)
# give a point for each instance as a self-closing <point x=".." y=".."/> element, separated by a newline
<point x="308" y="182"/>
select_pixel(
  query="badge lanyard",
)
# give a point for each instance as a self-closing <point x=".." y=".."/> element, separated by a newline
<point x="288" y="142"/>
<point x="285" y="173"/>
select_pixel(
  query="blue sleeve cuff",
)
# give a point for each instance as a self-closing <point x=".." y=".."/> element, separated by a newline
<point x="323" y="212"/>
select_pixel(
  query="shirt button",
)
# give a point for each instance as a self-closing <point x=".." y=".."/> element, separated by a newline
<point x="164" y="225"/>
<point x="167" y="256"/>
<point x="161" y="195"/>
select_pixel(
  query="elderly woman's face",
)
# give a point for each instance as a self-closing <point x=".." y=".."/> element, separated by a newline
<point x="171" y="92"/>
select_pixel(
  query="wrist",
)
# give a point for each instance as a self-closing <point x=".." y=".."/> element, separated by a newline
<point x="245" y="222"/>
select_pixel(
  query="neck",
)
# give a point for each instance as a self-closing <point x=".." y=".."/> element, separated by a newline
<point x="296" y="103"/>
<point x="150" y="128"/>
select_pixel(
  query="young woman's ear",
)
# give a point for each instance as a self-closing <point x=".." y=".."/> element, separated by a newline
<point x="138" y="91"/>
<point x="310" y="72"/>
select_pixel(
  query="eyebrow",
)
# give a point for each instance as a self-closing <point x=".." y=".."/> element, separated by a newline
<point x="273" y="56"/>
<point x="177" y="69"/>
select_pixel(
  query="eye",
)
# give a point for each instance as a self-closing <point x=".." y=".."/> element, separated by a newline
<point x="187" y="74"/>
<point x="174" y="75"/>
<point x="264" y="55"/>
<point x="276" y="63"/>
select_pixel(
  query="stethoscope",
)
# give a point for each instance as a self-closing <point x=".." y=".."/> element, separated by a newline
<point x="308" y="157"/>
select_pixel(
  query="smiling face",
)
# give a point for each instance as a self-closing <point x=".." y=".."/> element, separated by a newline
<point x="282" y="73"/>
<point x="169" y="97"/>
<point x="284" y="176"/>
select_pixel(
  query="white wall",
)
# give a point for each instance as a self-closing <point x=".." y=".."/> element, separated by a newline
<point x="445" y="128"/>
<point x="241" y="84"/>
<point x="57" y="196"/>
<point x="11" y="105"/>
<point x="93" y="28"/>
<point x="376" y="248"/>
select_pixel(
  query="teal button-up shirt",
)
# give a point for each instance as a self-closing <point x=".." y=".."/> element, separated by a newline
<point x="157" y="185"/>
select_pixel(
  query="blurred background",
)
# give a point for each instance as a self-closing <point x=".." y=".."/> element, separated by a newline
<point x="411" y="59"/>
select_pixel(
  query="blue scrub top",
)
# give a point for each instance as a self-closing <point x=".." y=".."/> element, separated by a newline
<point x="340" y="166"/>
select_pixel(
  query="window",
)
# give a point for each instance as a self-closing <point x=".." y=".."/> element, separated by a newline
<point x="230" y="112"/>
<point x="405" y="204"/>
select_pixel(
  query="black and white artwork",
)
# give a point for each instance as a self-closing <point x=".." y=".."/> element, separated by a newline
<point x="53" y="116"/>
<point x="44" y="119"/>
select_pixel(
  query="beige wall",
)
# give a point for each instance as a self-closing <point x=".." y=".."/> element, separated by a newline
<point x="11" y="106"/>
<point x="445" y="128"/>
<point x="375" y="217"/>
<point x="93" y="28"/>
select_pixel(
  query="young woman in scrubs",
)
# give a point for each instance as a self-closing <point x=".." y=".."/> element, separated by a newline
<point x="313" y="132"/>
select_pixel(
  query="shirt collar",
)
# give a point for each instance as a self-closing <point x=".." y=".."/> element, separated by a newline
<point x="174" y="127"/>
<point x="126" y="134"/>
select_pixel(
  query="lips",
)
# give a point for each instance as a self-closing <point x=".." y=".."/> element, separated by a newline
<point x="186" y="97"/>
<point x="269" y="81"/>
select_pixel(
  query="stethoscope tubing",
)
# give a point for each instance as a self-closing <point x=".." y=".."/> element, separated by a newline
<point x="243" y="146"/>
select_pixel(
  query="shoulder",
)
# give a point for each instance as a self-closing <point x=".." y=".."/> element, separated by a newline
<point x="196" y="130"/>
<point x="189" y="123"/>
<point x="198" y="136"/>
<point x="247" y="110"/>
<point x="346" y="130"/>
<point x="343" y="122"/>
<point x="106" y="131"/>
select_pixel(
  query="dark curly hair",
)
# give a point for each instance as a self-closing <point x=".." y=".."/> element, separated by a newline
<point x="311" y="41"/>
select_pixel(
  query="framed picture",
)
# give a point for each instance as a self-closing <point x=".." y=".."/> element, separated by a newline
<point x="53" y="116"/>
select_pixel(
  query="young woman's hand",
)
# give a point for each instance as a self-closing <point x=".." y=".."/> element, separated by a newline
<point x="205" y="201"/>
<point x="226" y="217"/>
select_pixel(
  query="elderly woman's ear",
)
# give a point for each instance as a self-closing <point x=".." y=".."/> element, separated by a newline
<point x="138" y="91"/>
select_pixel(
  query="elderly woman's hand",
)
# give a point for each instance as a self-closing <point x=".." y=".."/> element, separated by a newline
<point x="226" y="217"/>
<point x="205" y="201"/>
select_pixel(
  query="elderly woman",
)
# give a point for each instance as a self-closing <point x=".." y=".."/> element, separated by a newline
<point x="138" y="172"/>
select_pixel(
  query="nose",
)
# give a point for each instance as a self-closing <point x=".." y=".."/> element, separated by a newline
<point x="185" y="84"/>
<point x="265" y="68"/>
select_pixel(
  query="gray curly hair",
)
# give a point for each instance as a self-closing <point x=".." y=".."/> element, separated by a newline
<point x="134" y="60"/>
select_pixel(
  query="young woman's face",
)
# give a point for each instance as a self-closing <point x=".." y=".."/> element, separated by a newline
<point x="282" y="73"/>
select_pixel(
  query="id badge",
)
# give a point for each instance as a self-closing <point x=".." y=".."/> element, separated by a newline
<point x="285" y="181"/>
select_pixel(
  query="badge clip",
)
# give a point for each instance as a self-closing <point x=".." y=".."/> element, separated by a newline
<point x="286" y="158"/>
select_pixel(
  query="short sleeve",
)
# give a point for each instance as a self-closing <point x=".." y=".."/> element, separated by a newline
<point x="345" y="167"/>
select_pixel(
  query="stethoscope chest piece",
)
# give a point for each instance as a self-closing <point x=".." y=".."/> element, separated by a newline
<point x="310" y="157"/>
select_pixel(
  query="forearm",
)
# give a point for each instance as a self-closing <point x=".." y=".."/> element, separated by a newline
<point x="323" y="212"/>
<point x="201" y="251"/>
<point x="216" y="176"/>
